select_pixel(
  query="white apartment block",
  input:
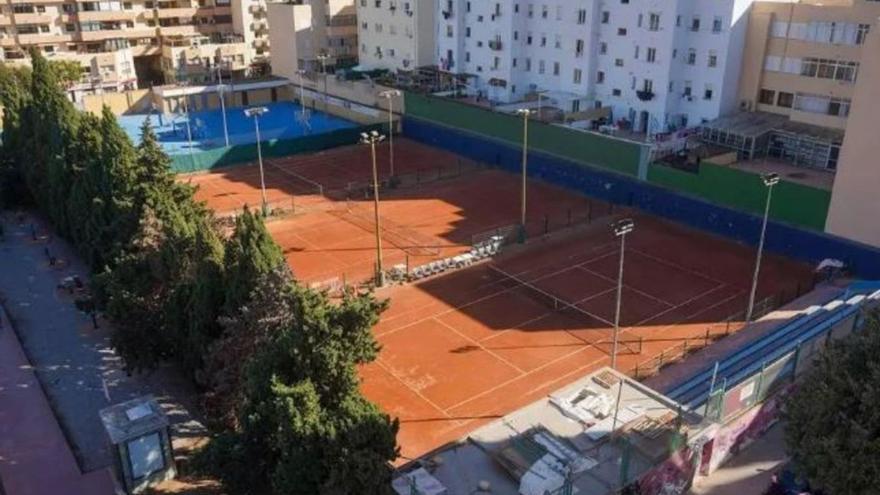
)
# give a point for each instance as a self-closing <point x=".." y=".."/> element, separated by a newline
<point x="303" y="33"/>
<point x="658" y="64"/>
<point x="396" y="34"/>
<point x="124" y="44"/>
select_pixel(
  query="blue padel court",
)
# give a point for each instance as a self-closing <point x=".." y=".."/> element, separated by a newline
<point x="284" y="120"/>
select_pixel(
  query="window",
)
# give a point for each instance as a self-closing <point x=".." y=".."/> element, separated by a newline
<point x="528" y="64"/>
<point x="621" y="31"/>
<point x="603" y="48"/>
<point x="653" y="22"/>
<point x="555" y="68"/>
<point x="784" y="100"/>
<point x="541" y="66"/>
<point x="467" y="32"/>
<point x="600" y="77"/>
<point x="708" y="92"/>
<point x="695" y="24"/>
<point x="578" y="48"/>
<point x="618" y="62"/>
<point x="688" y="89"/>
<point x="558" y="41"/>
<point x="862" y="33"/>
<point x="615" y="92"/>
<point x="767" y="96"/>
<point x="578" y="75"/>
<point x="582" y="17"/>
<point x="651" y="55"/>
<point x="692" y="57"/>
<point x="717" y="24"/>
<point x="713" y="59"/>
<point x="606" y="17"/>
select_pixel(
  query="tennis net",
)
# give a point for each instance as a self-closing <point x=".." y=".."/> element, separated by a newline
<point x="308" y="186"/>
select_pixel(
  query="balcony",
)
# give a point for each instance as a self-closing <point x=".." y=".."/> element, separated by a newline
<point x="645" y="95"/>
<point x="29" y="39"/>
<point x="34" y="19"/>
<point x="107" y="15"/>
<point x="5" y="20"/>
<point x="182" y="12"/>
<point x="495" y="45"/>
<point x="109" y="34"/>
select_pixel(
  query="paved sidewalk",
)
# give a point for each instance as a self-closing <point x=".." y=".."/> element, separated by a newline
<point x="749" y="472"/>
<point x="34" y="456"/>
<point x="80" y="372"/>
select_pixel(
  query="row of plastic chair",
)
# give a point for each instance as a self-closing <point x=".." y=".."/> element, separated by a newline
<point x="479" y="251"/>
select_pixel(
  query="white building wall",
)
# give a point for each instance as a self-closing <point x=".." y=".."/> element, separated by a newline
<point x="538" y="53"/>
<point x="396" y="34"/>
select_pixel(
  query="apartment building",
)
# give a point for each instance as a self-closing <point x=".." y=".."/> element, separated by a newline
<point x="803" y="58"/>
<point x="658" y="66"/>
<point x="854" y="200"/>
<point x="312" y="35"/>
<point x="396" y="34"/>
<point x="121" y="43"/>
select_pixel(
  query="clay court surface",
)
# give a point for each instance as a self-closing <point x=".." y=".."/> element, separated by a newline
<point x="467" y="347"/>
<point x="444" y="203"/>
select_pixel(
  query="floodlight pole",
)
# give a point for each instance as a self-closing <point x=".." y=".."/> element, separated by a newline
<point x="621" y="229"/>
<point x="255" y="113"/>
<point x="189" y="137"/>
<point x="769" y="180"/>
<point x="525" y="159"/>
<point x="390" y="95"/>
<point x="372" y="139"/>
<point x="221" y="89"/>
<point x="323" y="58"/>
<point x="302" y="91"/>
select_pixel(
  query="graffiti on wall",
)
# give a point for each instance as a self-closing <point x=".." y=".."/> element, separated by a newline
<point x="673" y="477"/>
<point x="742" y="431"/>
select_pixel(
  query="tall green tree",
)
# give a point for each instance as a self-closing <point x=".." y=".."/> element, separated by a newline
<point x="66" y="72"/>
<point x="302" y="419"/>
<point x="14" y="100"/>
<point x="250" y="253"/>
<point x="832" y="418"/>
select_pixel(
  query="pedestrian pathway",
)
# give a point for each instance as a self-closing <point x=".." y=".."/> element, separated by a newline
<point x="750" y="471"/>
<point x="79" y="371"/>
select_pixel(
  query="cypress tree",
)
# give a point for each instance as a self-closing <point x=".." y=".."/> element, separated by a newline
<point x="250" y="253"/>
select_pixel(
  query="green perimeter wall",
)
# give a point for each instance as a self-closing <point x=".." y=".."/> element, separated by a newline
<point x="612" y="154"/>
<point x="232" y="155"/>
<point x="796" y="204"/>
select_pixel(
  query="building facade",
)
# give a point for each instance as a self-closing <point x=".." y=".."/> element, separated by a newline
<point x="396" y="34"/>
<point x="121" y="44"/>
<point x="667" y="65"/>
<point x="854" y="199"/>
<point x="803" y="58"/>
<point x="302" y="33"/>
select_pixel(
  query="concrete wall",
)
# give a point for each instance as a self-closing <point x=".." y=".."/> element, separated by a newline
<point x="855" y="201"/>
<point x="135" y="101"/>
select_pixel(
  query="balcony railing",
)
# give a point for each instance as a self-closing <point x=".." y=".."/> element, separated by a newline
<point x="645" y="95"/>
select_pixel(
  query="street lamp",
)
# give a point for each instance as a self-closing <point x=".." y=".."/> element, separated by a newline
<point x="302" y="91"/>
<point x="323" y="58"/>
<point x="189" y="136"/>
<point x="256" y="112"/>
<point x="525" y="112"/>
<point x="390" y="95"/>
<point x="372" y="139"/>
<point x="220" y="90"/>
<point x="621" y="229"/>
<point x="769" y="180"/>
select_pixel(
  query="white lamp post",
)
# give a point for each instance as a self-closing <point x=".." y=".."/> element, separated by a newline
<point x="372" y="139"/>
<point x="769" y="180"/>
<point x="390" y="95"/>
<point x="525" y="112"/>
<point x="256" y="112"/>
<point x="220" y="90"/>
<point x="621" y="229"/>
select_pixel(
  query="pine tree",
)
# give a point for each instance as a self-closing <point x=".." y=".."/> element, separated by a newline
<point x="250" y="253"/>
<point x="832" y="422"/>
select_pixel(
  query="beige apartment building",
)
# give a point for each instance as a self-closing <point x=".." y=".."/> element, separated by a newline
<point x="311" y="35"/>
<point x="123" y="44"/>
<point x="855" y="202"/>
<point x="801" y="66"/>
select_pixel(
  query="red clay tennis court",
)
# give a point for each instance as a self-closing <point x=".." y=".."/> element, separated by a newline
<point x="462" y="349"/>
<point x="303" y="180"/>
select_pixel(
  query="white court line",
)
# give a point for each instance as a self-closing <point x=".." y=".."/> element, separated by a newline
<point x="676" y="266"/>
<point x="417" y="392"/>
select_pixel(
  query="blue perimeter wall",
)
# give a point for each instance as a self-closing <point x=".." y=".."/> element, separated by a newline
<point x="743" y="227"/>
